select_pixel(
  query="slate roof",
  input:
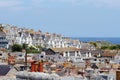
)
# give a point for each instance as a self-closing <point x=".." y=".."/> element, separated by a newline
<point x="91" y="51"/>
<point x="4" y="69"/>
<point x="94" y="66"/>
<point x="2" y="34"/>
<point x="49" y="52"/>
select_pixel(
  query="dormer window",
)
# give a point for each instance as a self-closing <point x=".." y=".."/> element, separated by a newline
<point x="0" y="54"/>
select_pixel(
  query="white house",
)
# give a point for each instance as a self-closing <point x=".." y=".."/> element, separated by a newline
<point x="70" y="53"/>
<point x="117" y="58"/>
<point x="3" y="41"/>
<point x="25" y="37"/>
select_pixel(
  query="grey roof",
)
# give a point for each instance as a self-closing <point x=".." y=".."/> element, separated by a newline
<point x="4" y="69"/>
<point x="94" y="66"/>
<point x="25" y="34"/>
<point x="91" y="51"/>
<point x="2" y="34"/>
<point x="37" y="36"/>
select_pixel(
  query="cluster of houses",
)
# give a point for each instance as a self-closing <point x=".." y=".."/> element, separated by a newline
<point x="13" y="34"/>
<point x="81" y="57"/>
<point x="64" y="48"/>
<point x="80" y="62"/>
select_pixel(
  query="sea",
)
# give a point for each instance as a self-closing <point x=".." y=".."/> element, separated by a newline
<point x="113" y="40"/>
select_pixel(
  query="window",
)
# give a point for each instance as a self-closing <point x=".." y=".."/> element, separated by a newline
<point x="42" y="56"/>
<point x="105" y="77"/>
<point x="0" y="54"/>
<point x="20" y="55"/>
<point x="95" y="59"/>
<point x="72" y="54"/>
<point x="78" y="54"/>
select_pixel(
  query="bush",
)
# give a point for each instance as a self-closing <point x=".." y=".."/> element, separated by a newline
<point x="112" y="47"/>
<point x="16" y="48"/>
<point x="32" y="50"/>
<point x="104" y="47"/>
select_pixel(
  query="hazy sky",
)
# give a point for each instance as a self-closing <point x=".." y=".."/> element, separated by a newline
<point x="76" y="18"/>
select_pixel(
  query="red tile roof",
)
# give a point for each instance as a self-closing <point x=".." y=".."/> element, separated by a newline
<point x="108" y="54"/>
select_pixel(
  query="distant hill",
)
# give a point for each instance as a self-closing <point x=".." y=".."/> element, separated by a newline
<point x="103" y="43"/>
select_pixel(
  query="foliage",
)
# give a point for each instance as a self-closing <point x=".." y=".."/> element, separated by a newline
<point x="118" y="46"/>
<point x="103" y="43"/>
<point x="32" y="50"/>
<point x="16" y="48"/>
<point x="112" y="47"/>
<point x="24" y="46"/>
<point x="40" y="47"/>
<point x="104" y="47"/>
<point x="94" y="44"/>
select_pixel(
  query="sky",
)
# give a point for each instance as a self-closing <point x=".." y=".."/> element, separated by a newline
<point x="71" y="18"/>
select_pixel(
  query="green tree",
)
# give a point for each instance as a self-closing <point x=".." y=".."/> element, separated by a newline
<point x="32" y="50"/>
<point x="113" y="47"/>
<point x="118" y="46"/>
<point x="94" y="43"/>
<point x="16" y="48"/>
<point x="24" y="46"/>
<point x="40" y="48"/>
<point x="104" y="47"/>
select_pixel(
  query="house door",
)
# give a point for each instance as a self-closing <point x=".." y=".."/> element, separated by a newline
<point x="117" y="75"/>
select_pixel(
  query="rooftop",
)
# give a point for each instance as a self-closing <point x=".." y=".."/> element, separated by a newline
<point x="65" y="49"/>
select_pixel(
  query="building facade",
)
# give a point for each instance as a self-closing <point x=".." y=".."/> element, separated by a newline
<point x="35" y="38"/>
<point x="3" y="40"/>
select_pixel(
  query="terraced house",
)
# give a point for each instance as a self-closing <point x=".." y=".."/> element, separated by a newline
<point x="34" y="38"/>
<point x="3" y="40"/>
